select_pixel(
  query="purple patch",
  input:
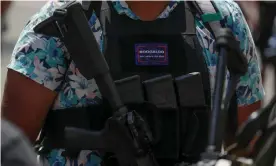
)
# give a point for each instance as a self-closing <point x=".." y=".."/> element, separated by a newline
<point x="151" y="54"/>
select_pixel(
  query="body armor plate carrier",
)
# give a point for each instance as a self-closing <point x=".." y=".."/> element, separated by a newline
<point x="160" y="72"/>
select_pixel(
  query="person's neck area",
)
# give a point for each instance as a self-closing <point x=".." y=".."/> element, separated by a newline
<point x="147" y="10"/>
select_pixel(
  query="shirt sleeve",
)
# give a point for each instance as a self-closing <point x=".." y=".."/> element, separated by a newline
<point x="41" y="58"/>
<point x="249" y="88"/>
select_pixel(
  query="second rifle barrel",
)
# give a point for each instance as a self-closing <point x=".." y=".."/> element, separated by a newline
<point x="217" y="100"/>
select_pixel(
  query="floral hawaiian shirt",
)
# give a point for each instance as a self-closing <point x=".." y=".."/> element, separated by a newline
<point x="46" y="61"/>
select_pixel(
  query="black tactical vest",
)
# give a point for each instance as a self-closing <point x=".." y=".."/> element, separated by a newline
<point x="152" y="49"/>
<point x="174" y="35"/>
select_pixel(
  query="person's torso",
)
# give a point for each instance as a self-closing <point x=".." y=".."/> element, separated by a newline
<point x="77" y="91"/>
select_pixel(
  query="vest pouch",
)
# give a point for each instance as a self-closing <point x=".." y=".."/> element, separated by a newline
<point x="161" y="117"/>
<point x="132" y="95"/>
<point x="193" y="115"/>
<point x="160" y="92"/>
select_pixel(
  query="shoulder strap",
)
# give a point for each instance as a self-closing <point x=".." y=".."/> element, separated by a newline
<point x="100" y="8"/>
<point x="102" y="11"/>
<point x="90" y="6"/>
<point x="209" y="14"/>
<point x="207" y="10"/>
<point x="105" y="15"/>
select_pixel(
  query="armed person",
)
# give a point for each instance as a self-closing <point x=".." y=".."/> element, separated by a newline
<point x="43" y="79"/>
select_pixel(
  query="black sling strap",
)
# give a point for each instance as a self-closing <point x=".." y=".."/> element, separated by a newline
<point x="90" y="6"/>
<point x="100" y="8"/>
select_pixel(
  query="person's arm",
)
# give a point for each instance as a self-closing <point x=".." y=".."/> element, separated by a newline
<point x="26" y="103"/>
<point x="34" y="76"/>
<point x="250" y="90"/>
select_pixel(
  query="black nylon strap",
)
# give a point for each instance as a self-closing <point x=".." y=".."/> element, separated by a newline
<point x="189" y="14"/>
<point x="195" y="8"/>
<point x="105" y="15"/>
<point x="93" y="6"/>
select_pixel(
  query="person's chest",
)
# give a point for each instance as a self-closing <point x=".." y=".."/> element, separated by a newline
<point x="77" y="91"/>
